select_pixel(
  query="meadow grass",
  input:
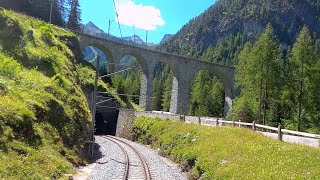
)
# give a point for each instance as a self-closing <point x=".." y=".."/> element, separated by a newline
<point x="227" y="152"/>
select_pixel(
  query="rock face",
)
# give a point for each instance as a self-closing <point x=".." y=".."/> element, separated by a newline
<point x="134" y="38"/>
<point x="92" y="29"/>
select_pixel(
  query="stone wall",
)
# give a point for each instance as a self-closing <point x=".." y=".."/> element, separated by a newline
<point x="126" y="118"/>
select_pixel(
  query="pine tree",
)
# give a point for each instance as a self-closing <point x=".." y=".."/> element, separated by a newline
<point x="304" y="61"/>
<point x="166" y="100"/>
<point x="74" y="18"/>
<point x="206" y="96"/>
<point x="215" y="100"/>
<point x="258" y="77"/>
<point x="157" y="94"/>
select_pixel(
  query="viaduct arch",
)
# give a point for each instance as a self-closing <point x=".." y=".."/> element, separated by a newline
<point x="184" y="70"/>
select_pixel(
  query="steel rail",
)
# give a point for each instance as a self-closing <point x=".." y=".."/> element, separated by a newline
<point x="127" y="163"/>
<point x="144" y="163"/>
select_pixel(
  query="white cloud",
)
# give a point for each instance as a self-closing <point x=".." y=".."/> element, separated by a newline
<point x="143" y="17"/>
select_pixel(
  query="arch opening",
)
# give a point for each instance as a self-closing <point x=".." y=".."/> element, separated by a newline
<point x="162" y="87"/>
<point x="92" y="53"/>
<point x="207" y="95"/>
<point x="127" y="80"/>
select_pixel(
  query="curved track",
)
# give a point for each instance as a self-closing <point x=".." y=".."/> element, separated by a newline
<point x="129" y="174"/>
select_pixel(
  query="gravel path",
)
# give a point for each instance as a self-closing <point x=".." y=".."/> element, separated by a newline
<point x="111" y="165"/>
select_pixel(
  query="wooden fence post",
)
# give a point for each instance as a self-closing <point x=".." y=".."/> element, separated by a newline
<point x="279" y="132"/>
<point x="217" y="121"/>
<point x="199" y="120"/>
<point x="254" y="126"/>
<point x="239" y="123"/>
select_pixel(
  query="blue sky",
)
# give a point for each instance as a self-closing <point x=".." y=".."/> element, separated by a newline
<point x="159" y="17"/>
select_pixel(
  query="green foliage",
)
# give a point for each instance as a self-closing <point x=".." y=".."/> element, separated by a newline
<point x="304" y="73"/>
<point x="46" y="32"/>
<point x="162" y="86"/>
<point x="206" y="96"/>
<point x="226" y="152"/>
<point x="279" y="87"/>
<point x="128" y="83"/>
<point x="258" y="77"/>
<point x="166" y="99"/>
<point x="41" y="9"/>
<point x="44" y="113"/>
<point x="219" y="33"/>
<point x="227" y="51"/>
<point x="74" y="20"/>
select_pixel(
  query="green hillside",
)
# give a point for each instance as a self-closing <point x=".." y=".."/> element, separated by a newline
<point x="227" y="152"/>
<point x="218" y="34"/>
<point x="44" y="115"/>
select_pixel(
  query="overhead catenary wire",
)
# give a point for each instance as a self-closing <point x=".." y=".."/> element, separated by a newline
<point x="100" y="102"/>
<point x="109" y="107"/>
<point x="119" y="94"/>
<point x="115" y="7"/>
<point x="128" y="95"/>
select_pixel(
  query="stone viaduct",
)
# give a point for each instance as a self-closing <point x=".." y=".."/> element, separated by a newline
<point x="184" y="70"/>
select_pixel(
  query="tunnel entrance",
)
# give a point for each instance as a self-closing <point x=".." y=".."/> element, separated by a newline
<point x="106" y="122"/>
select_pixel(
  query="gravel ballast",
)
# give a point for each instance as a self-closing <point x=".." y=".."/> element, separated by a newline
<point x="111" y="164"/>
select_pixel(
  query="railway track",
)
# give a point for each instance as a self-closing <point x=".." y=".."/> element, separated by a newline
<point x="135" y="165"/>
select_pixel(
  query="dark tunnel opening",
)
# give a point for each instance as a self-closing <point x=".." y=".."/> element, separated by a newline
<point x="106" y="122"/>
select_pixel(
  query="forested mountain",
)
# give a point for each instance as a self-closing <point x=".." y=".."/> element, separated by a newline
<point x="64" y="12"/>
<point x="221" y="31"/>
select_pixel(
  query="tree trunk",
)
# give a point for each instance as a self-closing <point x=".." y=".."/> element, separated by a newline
<point x="300" y="105"/>
<point x="265" y="103"/>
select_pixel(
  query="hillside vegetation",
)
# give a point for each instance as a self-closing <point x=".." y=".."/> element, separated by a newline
<point x="218" y="34"/>
<point x="44" y="115"/>
<point x="227" y="152"/>
<point x="274" y="46"/>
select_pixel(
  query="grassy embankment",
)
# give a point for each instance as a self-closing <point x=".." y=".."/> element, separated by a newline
<point x="227" y="152"/>
<point x="44" y="115"/>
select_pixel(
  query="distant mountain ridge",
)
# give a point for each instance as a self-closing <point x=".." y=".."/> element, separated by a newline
<point x="92" y="52"/>
<point x="134" y="38"/>
<point x="218" y="34"/>
<point x="92" y="29"/>
<point x="165" y="38"/>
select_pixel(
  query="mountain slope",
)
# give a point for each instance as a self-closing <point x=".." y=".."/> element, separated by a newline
<point x="165" y="38"/>
<point x="134" y="38"/>
<point x="44" y="114"/>
<point x="228" y="24"/>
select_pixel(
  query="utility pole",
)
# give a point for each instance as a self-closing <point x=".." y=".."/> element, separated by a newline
<point x="134" y="34"/>
<point x="109" y="27"/>
<point x="146" y="37"/>
<point x="51" y="11"/>
<point x="94" y="106"/>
